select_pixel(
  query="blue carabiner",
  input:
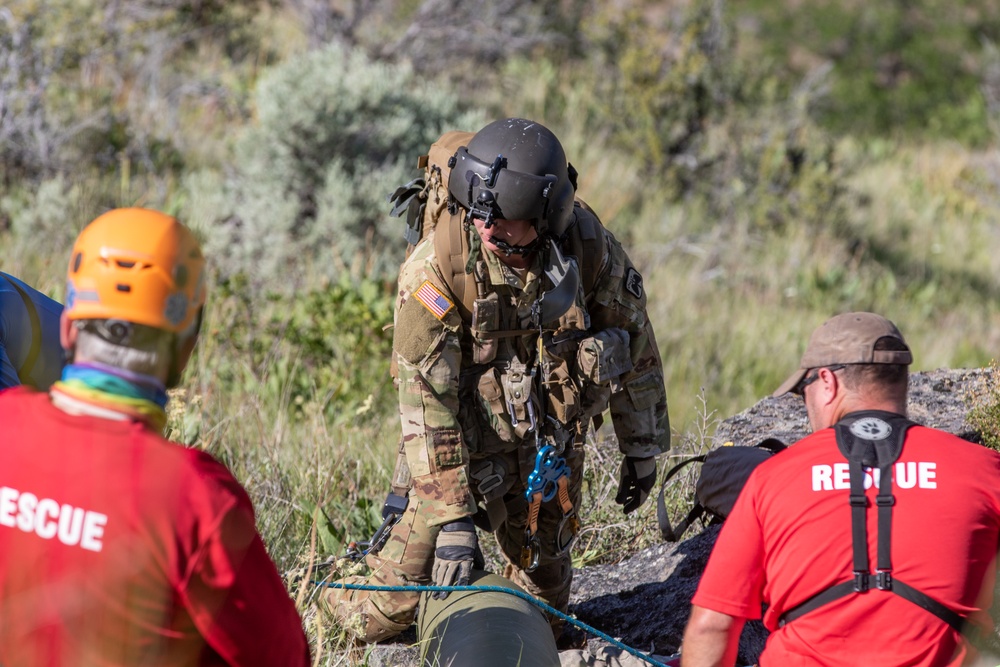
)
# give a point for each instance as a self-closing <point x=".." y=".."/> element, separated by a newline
<point x="549" y="469"/>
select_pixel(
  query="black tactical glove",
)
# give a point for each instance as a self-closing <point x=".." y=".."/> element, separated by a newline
<point x="635" y="481"/>
<point x="454" y="554"/>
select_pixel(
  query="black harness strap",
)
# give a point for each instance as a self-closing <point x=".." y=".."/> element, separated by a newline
<point x="36" y="334"/>
<point x="885" y="500"/>
<point x="883" y="452"/>
<point x="925" y="601"/>
<point x="867" y="581"/>
<point x="859" y="527"/>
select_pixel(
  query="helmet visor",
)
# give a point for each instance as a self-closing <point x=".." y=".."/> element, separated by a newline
<point x="512" y="195"/>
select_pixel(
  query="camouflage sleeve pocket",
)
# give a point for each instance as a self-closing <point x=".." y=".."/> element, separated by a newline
<point x="636" y="417"/>
<point x="604" y="356"/>
<point x="645" y="391"/>
<point x="447" y="445"/>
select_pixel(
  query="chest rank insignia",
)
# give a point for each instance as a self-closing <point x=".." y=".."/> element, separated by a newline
<point x="633" y="282"/>
<point x="433" y="300"/>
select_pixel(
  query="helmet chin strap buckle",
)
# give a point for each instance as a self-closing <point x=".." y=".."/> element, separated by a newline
<point x="509" y="249"/>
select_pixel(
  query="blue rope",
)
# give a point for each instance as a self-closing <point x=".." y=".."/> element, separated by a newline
<point x="499" y="589"/>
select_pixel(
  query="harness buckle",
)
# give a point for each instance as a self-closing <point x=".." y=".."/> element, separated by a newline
<point x="859" y="500"/>
<point x="885" y="501"/>
<point x="883" y="580"/>
<point x="861" y="582"/>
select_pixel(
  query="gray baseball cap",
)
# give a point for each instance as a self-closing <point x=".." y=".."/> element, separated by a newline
<point x="848" y="339"/>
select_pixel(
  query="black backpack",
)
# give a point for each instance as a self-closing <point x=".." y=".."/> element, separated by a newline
<point x="724" y="471"/>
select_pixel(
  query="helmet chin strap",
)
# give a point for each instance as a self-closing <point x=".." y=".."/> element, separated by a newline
<point x="509" y="249"/>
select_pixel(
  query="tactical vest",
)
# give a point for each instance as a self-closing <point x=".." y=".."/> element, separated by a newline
<point x="584" y="240"/>
<point x="500" y="355"/>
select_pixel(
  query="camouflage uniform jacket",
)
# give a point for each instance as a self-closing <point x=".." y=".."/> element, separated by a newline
<point x="466" y="387"/>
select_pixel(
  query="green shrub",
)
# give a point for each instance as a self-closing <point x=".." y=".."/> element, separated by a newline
<point x="899" y="68"/>
<point x="984" y="409"/>
<point x="324" y="350"/>
<point x="657" y="83"/>
<point x="335" y="134"/>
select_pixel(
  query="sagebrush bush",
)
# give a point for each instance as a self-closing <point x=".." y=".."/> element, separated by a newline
<point x="335" y="134"/>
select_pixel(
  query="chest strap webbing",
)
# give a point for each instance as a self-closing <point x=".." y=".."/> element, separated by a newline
<point x="584" y="239"/>
<point x="872" y="438"/>
<point x="36" y="334"/>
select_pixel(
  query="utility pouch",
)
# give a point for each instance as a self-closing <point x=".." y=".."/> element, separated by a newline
<point x="485" y="319"/>
<point x="605" y="356"/>
<point x="491" y="393"/>
<point x="517" y="391"/>
<point x="561" y="391"/>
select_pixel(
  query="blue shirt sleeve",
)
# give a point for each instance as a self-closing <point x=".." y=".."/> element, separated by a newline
<point x="17" y="335"/>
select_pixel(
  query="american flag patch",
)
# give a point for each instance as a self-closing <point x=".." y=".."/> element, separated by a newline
<point x="433" y="300"/>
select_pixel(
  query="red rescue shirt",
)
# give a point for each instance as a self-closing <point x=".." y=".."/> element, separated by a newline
<point x="789" y="537"/>
<point x="118" y="547"/>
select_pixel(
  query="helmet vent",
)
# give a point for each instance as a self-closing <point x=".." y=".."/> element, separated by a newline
<point x="123" y="288"/>
<point x="124" y="263"/>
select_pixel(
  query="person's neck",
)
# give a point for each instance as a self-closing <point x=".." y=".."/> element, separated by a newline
<point x="515" y="261"/>
<point x="847" y="408"/>
<point x="108" y="392"/>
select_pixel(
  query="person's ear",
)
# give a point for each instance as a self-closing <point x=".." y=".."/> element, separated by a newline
<point x="67" y="336"/>
<point x="829" y="385"/>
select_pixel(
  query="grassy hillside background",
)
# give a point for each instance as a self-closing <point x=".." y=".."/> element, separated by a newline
<point x="767" y="165"/>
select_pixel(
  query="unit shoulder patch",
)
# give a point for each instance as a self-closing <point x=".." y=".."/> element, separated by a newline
<point x="633" y="282"/>
<point x="433" y="300"/>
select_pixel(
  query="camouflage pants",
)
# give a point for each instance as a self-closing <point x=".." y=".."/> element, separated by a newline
<point x="408" y="555"/>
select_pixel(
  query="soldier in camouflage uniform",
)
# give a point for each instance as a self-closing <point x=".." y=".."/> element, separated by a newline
<point x="519" y="321"/>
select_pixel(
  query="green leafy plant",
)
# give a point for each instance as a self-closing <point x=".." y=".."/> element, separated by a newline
<point x="984" y="408"/>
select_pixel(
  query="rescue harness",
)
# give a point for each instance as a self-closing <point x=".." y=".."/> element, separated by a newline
<point x="872" y="438"/>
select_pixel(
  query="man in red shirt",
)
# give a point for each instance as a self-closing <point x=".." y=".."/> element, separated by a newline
<point x="852" y="570"/>
<point x="118" y="547"/>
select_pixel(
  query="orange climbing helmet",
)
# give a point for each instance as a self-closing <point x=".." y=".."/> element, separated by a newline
<point x="136" y="265"/>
